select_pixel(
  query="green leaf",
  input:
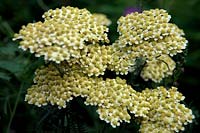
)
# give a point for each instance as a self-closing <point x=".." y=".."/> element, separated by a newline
<point x="8" y="49"/>
<point x="13" y="67"/>
<point x="4" y="76"/>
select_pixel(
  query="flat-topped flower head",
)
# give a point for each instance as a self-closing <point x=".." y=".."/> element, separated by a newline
<point x="112" y="97"/>
<point x="166" y="113"/>
<point x="58" y="85"/>
<point x="49" y="87"/>
<point x="151" y="34"/>
<point x="62" y="35"/>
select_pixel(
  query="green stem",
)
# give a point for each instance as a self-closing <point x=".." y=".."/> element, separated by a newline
<point x="60" y="70"/>
<point x="165" y="63"/>
<point x="42" y="5"/>
<point x="14" y="108"/>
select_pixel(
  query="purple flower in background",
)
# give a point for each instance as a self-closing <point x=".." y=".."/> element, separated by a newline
<point x="129" y="10"/>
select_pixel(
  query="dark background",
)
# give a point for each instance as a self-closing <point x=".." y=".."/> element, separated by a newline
<point x="17" y="67"/>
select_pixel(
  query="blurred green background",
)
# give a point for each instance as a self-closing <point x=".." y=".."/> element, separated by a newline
<point x="17" y="67"/>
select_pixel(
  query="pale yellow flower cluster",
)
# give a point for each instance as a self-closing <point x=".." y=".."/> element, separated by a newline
<point x="70" y="41"/>
<point x="150" y="33"/>
<point x="62" y="35"/>
<point x="58" y="87"/>
<point x="112" y="97"/>
<point x="166" y="114"/>
<point x="150" y="36"/>
<point x="49" y="87"/>
<point x="158" y="108"/>
<point x="158" y="68"/>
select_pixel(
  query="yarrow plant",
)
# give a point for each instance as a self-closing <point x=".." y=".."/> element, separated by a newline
<point x="79" y="58"/>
